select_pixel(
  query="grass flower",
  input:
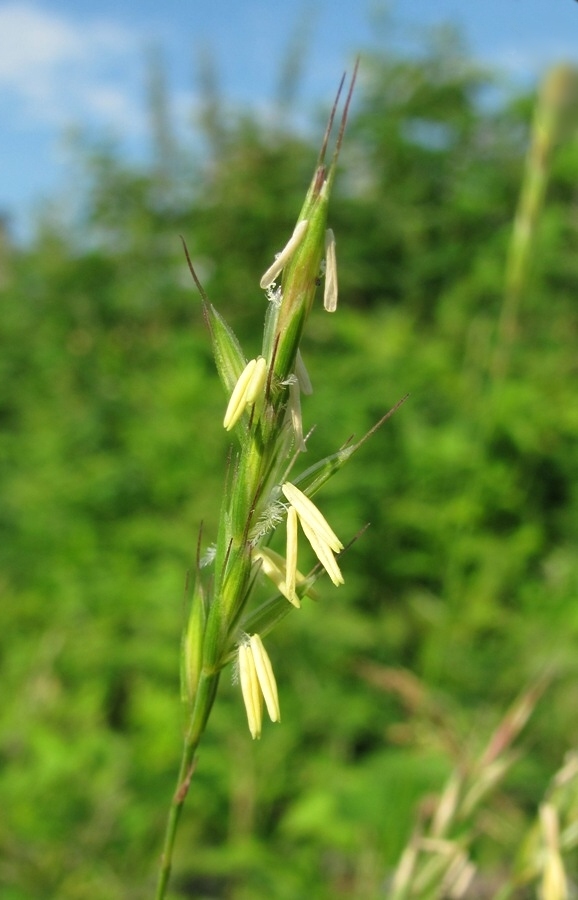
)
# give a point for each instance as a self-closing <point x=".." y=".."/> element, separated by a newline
<point x="257" y="683"/>
<point x="316" y="529"/>
<point x="285" y="575"/>
<point x="265" y="676"/>
<point x="323" y="553"/>
<point x="308" y="513"/>
<point x="275" y="568"/>
<point x="246" y="392"/>
<point x="252" y="697"/>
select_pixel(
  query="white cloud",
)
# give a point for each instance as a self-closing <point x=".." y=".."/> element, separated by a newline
<point x="57" y="70"/>
<point x="33" y="39"/>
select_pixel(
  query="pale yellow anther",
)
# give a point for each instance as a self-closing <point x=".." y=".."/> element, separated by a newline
<point x="283" y="258"/>
<point x="274" y="567"/>
<point x="309" y="513"/>
<point x="323" y="553"/>
<point x="330" y="291"/>
<point x="320" y="535"/>
<point x="248" y="390"/>
<point x="250" y="689"/>
<point x="266" y="677"/>
<point x="257" y="382"/>
<point x="291" y="566"/>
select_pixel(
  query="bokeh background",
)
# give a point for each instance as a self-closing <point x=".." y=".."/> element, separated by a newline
<point x="125" y="128"/>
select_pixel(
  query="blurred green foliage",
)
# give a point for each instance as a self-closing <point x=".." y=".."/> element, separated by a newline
<point x="112" y="454"/>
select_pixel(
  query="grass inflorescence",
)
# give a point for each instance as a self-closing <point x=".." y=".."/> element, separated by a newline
<point x="262" y="495"/>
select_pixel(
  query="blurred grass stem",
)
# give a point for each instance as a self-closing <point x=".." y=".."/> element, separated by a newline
<point x="547" y="117"/>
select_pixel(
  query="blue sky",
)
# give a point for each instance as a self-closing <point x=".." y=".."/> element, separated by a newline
<point x="66" y="63"/>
